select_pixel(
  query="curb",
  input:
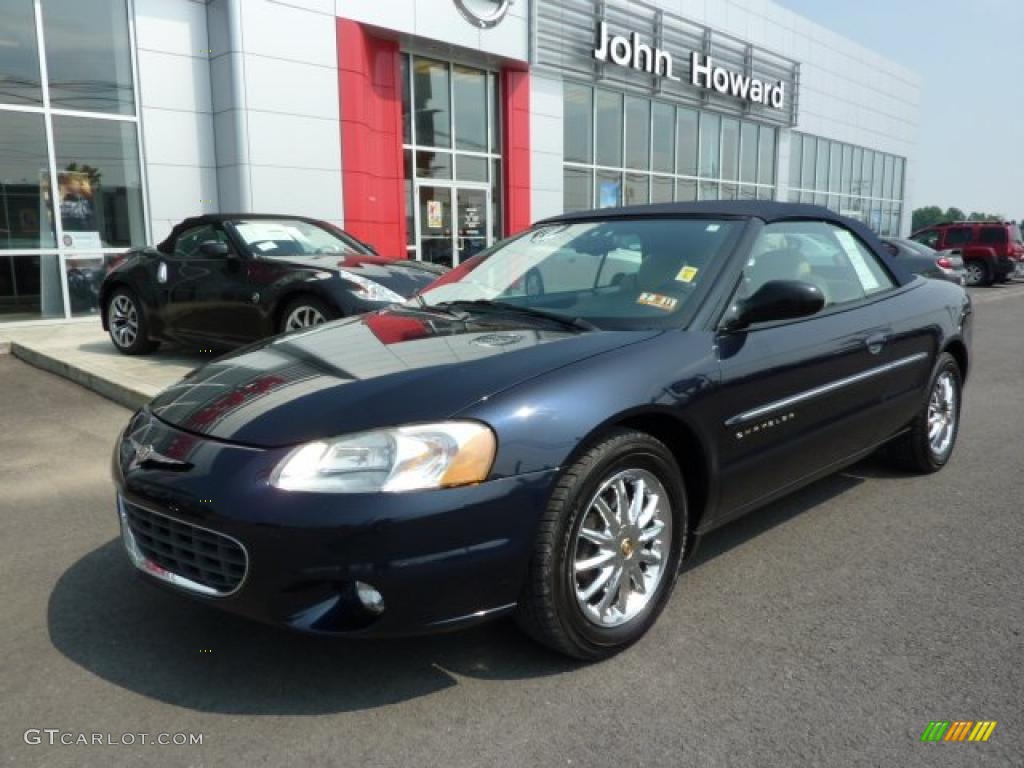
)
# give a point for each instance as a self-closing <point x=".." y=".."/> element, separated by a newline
<point x="5" y="347"/>
<point x="119" y="393"/>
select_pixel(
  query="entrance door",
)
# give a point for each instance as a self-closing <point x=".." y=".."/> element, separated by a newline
<point x="452" y="222"/>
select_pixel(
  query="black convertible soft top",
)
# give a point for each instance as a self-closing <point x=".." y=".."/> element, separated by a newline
<point x="766" y="210"/>
<point x="167" y="246"/>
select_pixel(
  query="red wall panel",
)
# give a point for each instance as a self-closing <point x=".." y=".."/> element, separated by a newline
<point x="373" y="189"/>
<point x="516" y="148"/>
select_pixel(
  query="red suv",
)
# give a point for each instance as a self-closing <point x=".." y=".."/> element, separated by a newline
<point x="991" y="250"/>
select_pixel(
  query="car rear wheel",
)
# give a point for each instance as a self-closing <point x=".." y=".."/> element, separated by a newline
<point x="608" y="548"/>
<point x="127" y="324"/>
<point x="978" y="273"/>
<point x="305" y="312"/>
<point x="927" y="446"/>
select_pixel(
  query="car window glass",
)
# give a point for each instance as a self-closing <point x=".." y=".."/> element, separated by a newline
<point x="929" y="238"/>
<point x="992" y="236"/>
<point x="283" y="238"/>
<point x="957" y="236"/>
<point x="615" y="274"/>
<point x="188" y="243"/>
<point x="824" y="255"/>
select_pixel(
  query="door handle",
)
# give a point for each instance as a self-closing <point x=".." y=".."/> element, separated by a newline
<point x="876" y="342"/>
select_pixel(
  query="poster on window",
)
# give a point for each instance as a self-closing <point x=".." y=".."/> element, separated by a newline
<point x="435" y="219"/>
<point x="76" y="191"/>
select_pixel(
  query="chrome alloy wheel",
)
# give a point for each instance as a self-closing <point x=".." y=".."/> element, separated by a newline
<point x="942" y="414"/>
<point x="304" y="317"/>
<point x="975" y="274"/>
<point x="123" y="320"/>
<point x="621" y="547"/>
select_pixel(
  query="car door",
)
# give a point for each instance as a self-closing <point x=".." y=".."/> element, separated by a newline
<point x="797" y="397"/>
<point x="209" y="296"/>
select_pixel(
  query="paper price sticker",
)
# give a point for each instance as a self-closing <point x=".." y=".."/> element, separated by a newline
<point x="666" y="303"/>
<point x="686" y="274"/>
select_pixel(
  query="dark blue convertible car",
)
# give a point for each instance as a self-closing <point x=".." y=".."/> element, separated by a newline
<point x="547" y="429"/>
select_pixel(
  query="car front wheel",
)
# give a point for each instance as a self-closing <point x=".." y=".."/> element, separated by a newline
<point x="127" y="323"/>
<point x="608" y="548"/>
<point x="305" y="312"/>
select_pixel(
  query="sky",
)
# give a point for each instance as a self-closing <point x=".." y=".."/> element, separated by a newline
<point x="969" y="55"/>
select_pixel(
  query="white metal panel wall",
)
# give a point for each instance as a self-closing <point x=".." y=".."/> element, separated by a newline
<point x="440" y="20"/>
<point x="176" y="111"/>
<point x="274" y="72"/>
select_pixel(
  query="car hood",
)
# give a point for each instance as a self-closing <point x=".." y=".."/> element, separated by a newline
<point x="402" y="276"/>
<point x="390" y="367"/>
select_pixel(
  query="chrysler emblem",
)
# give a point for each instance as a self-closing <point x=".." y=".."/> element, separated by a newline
<point x="148" y="454"/>
<point x="484" y="13"/>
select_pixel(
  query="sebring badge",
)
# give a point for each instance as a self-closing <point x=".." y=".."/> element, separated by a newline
<point x="484" y="13"/>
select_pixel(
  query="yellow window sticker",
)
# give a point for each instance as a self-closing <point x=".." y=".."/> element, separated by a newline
<point x="666" y="303"/>
<point x="686" y="274"/>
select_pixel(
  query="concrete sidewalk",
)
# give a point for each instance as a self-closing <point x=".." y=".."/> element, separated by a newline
<point x="83" y="353"/>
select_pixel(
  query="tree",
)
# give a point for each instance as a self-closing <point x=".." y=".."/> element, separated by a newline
<point x="955" y="214"/>
<point x="925" y="217"/>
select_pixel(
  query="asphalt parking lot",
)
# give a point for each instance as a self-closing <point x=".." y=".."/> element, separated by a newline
<point x="826" y="629"/>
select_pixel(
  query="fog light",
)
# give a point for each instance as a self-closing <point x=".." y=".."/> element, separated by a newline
<point x="369" y="597"/>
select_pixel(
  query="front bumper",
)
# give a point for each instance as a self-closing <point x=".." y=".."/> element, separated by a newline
<point x="440" y="559"/>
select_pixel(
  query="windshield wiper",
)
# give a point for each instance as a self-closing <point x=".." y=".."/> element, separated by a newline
<point x="501" y="307"/>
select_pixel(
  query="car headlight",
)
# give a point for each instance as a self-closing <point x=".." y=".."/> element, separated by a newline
<point x="370" y="290"/>
<point x="411" y="458"/>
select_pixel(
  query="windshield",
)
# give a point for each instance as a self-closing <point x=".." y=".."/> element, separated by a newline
<point x="623" y="273"/>
<point x="284" y="238"/>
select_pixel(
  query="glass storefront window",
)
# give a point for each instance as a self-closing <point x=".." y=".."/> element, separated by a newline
<point x="877" y="175"/>
<point x="470" y="90"/>
<point x="434" y="165"/>
<point x="495" y="113"/>
<point x="795" y="158"/>
<point x="26" y="210"/>
<point x="730" y="148"/>
<point x="432" y="107"/>
<point x="30" y="288"/>
<point x="663" y="147"/>
<point x="88" y="55"/>
<point x="638" y="133"/>
<point x="808" y="163"/>
<point x="406" y="102"/>
<point x="19" y="54"/>
<point x="821" y="167"/>
<point x="608" y="123"/>
<point x="766" y="156"/>
<point x="847" y="168"/>
<point x="835" y="167"/>
<point x="577" y="124"/>
<point x="710" y="126"/>
<point x="686" y="190"/>
<point x="608" y="190"/>
<point x="748" y="152"/>
<point x="577" y="189"/>
<point x="661" y="189"/>
<point x="686" y="142"/>
<point x="470" y="168"/>
<point x="636" y="190"/>
<point x="99" y="183"/>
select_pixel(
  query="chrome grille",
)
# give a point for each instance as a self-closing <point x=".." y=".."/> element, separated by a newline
<point x="186" y="555"/>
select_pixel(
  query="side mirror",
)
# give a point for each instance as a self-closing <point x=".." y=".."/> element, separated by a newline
<point x="777" y="300"/>
<point x="214" y="248"/>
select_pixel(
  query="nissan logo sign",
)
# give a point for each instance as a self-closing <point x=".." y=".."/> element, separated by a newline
<point x="484" y="13"/>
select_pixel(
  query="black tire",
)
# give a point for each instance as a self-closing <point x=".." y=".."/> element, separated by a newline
<point x="978" y="273"/>
<point x="913" y="451"/>
<point x="125" y="317"/>
<point x="310" y="303"/>
<point x="548" y="608"/>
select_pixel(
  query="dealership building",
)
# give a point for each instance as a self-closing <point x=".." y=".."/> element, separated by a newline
<point x="428" y="128"/>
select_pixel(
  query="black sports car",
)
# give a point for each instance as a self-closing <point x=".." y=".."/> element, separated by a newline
<point x="229" y="279"/>
<point x="551" y="450"/>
